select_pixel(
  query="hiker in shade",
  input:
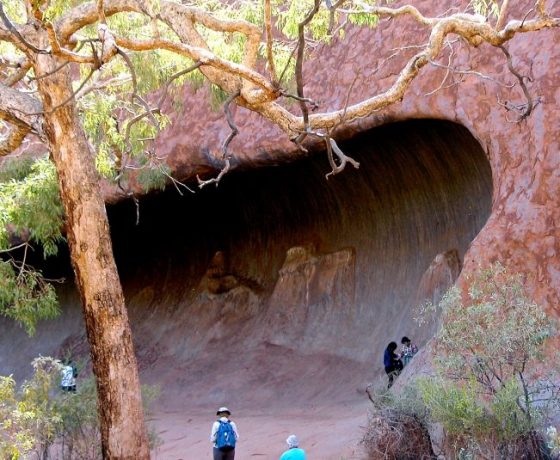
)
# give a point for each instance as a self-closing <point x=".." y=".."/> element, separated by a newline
<point x="408" y="350"/>
<point x="392" y="362"/>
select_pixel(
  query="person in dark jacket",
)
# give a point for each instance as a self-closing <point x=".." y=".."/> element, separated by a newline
<point x="392" y="362"/>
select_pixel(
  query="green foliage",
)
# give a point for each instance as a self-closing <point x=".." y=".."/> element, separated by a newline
<point x="30" y="208"/>
<point x="217" y="97"/>
<point x="297" y="10"/>
<point x="25" y="296"/>
<point x="485" y="7"/>
<point x="458" y="408"/>
<point x="153" y="178"/>
<point x="15" y="168"/>
<point x="501" y="327"/>
<point x="488" y="394"/>
<point x="57" y="7"/>
<point x="364" y="19"/>
<point x="15" y="11"/>
<point x="31" y="205"/>
<point x="30" y="418"/>
<point x="41" y="416"/>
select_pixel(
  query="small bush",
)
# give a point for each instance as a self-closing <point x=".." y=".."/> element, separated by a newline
<point x="42" y="421"/>
<point x="397" y="427"/>
<point x="495" y="389"/>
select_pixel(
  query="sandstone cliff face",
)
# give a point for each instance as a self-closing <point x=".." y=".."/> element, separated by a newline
<point x="522" y="231"/>
<point x="280" y="269"/>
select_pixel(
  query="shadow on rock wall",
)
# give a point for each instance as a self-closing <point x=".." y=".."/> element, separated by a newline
<point x="280" y="263"/>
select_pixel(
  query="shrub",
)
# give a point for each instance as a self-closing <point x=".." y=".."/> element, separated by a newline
<point x="397" y="427"/>
<point x="495" y="388"/>
<point x="42" y="420"/>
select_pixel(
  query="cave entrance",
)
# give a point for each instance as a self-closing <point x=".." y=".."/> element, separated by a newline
<point x="279" y="270"/>
<point x="282" y="258"/>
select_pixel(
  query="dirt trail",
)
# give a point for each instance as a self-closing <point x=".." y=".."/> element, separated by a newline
<point x="326" y="433"/>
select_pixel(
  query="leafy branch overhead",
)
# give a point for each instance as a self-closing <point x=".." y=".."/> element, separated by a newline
<point x="127" y="50"/>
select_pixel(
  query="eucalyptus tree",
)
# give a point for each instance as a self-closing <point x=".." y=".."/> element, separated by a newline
<point x="80" y="79"/>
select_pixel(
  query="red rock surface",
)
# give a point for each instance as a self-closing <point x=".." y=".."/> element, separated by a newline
<point x="277" y="292"/>
<point x="523" y="230"/>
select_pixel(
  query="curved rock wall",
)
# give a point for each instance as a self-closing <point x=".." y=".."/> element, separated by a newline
<point x="282" y="262"/>
<point x="523" y="231"/>
<point x="279" y="263"/>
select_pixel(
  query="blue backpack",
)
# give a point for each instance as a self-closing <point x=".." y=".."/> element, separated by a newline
<point x="225" y="437"/>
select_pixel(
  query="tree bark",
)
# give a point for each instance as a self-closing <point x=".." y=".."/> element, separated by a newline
<point x="123" y="434"/>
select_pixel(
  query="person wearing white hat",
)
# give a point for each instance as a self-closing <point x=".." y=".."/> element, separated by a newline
<point x="224" y="435"/>
<point x="293" y="452"/>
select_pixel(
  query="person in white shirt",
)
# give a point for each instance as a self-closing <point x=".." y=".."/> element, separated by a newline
<point x="68" y="377"/>
<point x="224" y="435"/>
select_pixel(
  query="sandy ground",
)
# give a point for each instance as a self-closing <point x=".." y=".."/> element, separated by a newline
<point x="331" y="433"/>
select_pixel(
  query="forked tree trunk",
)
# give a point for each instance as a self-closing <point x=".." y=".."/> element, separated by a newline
<point x="123" y="433"/>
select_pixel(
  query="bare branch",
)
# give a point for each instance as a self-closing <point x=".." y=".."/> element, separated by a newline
<point x="226" y="155"/>
<point x="314" y="104"/>
<point x="269" y="39"/>
<point x="527" y="108"/>
<point x="52" y="72"/>
<point x="176" y="16"/>
<point x="393" y="12"/>
<point x="299" y="67"/>
<point x="332" y="11"/>
<point x="473" y="30"/>
<point x="72" y="96"/>
<point x="287" y="64"/>
<point x="100" y="85"/>
<point x="207" y="58"/>
<point x="173" y="77"/>
<point x="13" y="30"/>
<point x="471" y="72"/>
<point x="176" y="183"/>
<point x="18" y="75"/>
<point x="134" y="95"/>
<point x="332" y="146"/>
<point x="502" y="15"/>
<point x="101" y="12"/>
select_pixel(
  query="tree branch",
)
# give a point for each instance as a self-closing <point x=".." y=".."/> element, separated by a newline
<point x="22" y="111"/>
<point x="225" y="154"/>
<point x="207" y="58"/>
<point x="502" y="15"/>
<point x="13" y="31"/>
<point x="299" y="69"/>
<point x="269" y="41"/>
<point x="527" y="108"/>
<point x="18" y="75"/>
<point x="332" y="146"/>
<point x="13" y="139"/>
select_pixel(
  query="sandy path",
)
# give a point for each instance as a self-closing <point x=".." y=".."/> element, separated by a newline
<point x="325" y="433"/>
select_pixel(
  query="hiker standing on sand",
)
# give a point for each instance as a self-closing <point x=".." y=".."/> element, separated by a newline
<point x="224" y="435"/>
<point x="293" y="452"/>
